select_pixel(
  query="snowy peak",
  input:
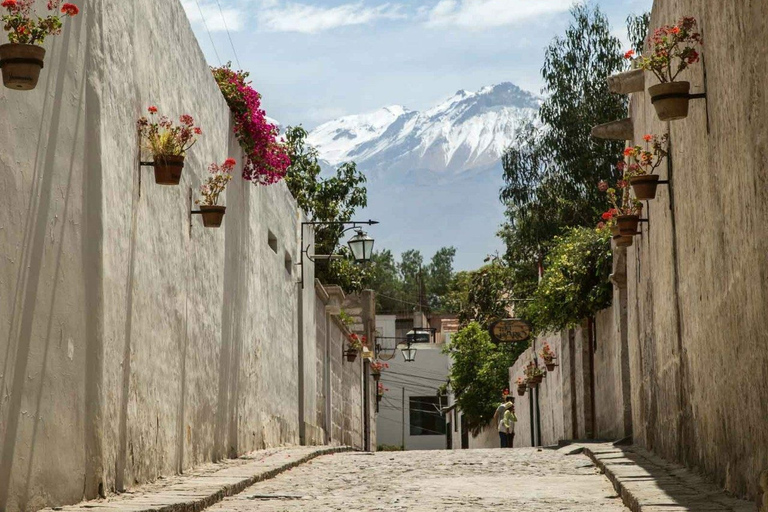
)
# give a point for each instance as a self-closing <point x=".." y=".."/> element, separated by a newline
<point x="467" y="131"/>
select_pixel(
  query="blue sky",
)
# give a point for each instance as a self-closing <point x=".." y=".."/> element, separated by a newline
<point x="315" y="60"/>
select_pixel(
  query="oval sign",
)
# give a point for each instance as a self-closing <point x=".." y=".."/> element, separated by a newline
<point x="510" y="330"/>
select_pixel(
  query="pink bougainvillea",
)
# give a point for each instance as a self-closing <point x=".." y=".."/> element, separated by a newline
<point x="266" y="157"/>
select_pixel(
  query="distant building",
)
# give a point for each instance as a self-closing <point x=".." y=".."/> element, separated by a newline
<point x="411" y="410"/>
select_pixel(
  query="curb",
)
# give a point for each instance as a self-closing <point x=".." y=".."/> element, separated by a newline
<point x="236" y="488"/>
<point x="629" y="500"/>
<point x="201" y="491"/>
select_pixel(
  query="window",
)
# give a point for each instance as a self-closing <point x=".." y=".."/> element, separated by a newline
<point x="288" y="264"/>
<point x="426" y="416"/>
<point x="272" y="241"/>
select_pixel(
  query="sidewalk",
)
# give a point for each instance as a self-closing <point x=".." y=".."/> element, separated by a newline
<point x="206" y="485"/>
<point x="648" y="483"/>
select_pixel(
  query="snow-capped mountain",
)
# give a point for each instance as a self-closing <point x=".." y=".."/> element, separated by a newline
<point x="468" y="131"/>
<point x="433" y="176"/>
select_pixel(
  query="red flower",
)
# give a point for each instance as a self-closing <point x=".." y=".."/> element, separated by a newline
<point x="602" y="185"/>
<point x="620" y="165"/>
<point x="198" y="131"/>
<point x="621" y="184"/>
<point x="70" y="9"/>
<point x="607" y="215"/>
<point x="628" y="151"/>
<point x="152" y="110"/>
<point x="230" y="162"/>
<point x="675" y="30"/>
<point x="647" y="138"/>
<point x="629" y="54"/>
<point x="9" y="4"/>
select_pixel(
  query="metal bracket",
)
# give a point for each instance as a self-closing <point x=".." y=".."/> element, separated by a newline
<point x="671" y="95"/>
<point x="662" y="182"/>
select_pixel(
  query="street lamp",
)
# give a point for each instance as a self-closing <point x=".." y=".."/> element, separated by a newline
<point x="361" y="245"/>
<point x="409" y="354"/>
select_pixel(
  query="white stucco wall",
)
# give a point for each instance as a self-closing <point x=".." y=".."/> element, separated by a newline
<point x="135" y="346"/>
<point x="422" y="377"/>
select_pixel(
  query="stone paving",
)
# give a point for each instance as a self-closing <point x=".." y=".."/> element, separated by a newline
<point x="649" y="483"/>
<point x="468" y="480"/>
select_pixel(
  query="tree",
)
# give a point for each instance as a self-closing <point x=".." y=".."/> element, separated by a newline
<point x="332" y="199"/>
<point x="479" y="373"/>
<point x="439" y="277"/>
<point x="576" y="281"/>
<point x="551" y="172"/>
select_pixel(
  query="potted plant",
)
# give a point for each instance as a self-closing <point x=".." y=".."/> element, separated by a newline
<point x="212" y="213"/>
<point x="376" y="368"/>
<point x="625" y="211"/>
<point x="22" y="58"/>
<point x="643" y="163"/>
<point x="522" y="384"/>
<point x="549" y="356"/>
<point x="380" y="390"/>
<point x="354" y="347"/>
<point x="168" y="144"/>
<point x="671" y="51"/>
<point x="534" y="374"/>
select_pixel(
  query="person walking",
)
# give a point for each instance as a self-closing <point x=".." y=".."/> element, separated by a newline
<point x="499" y="415"/>
<point x="509" y="420"/>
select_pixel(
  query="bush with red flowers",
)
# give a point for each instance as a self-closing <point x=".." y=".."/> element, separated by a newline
<point x="25" y="28"/>
<point x="266" y="157"/>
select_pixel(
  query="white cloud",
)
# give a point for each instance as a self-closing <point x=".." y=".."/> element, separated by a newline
<point x="216" y="20"/>
<point x="479" y="14"/>
<point x="310" y="19"/>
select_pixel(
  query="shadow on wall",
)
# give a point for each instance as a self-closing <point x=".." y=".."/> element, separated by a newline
<point x="28" y="290"/>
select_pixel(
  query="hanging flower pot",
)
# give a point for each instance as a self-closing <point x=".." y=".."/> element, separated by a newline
<point x="168" y="144"/>
<point x="22" y="59"/>
<point x="644" y="186"/>
<point x="521" y="390"/>
<point x="670" y="100"/>
<point x="376" y="377"/>
<point x="533" y="384"/>
<point x="628" y="224"/>
<point x="671" y="50"/>
<point x="351" y="355"/>
<point x="168" y="169"/>
<point x="550" y="365"/>
<point x="21" y="65"/>
<point x="213" y="215"/>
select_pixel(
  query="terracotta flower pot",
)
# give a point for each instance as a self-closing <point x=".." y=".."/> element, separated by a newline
<point x="168" y="169"/>
<point x="538" y="379"/>
<point x="376" y="377"/>
<point x="644" y="186"/>
<point x="21" y="65"/>
<point x="550" y="366"/>
<point x="623" y="241"/>
<point x="670" y="100"/>
<point x="533" y="384"/>
<point x="521" y="390"/>
<point x="351" y="355"/>
<point x="213" y="215"/>
<point x="615" y="230"/>
<point x="628" y="224"/>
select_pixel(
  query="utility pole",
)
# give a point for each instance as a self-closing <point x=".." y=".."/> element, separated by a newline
<point x="402" y="406"/>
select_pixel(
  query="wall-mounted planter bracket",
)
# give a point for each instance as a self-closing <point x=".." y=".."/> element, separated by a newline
<point x="675" y="95"/>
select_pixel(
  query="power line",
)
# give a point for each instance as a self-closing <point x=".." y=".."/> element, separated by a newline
<point x="205" y="24"/>
<point x="417" y="376"/>
<point x="403" y="301"/>
<point x="229" y="35"/>
<point x="410" y="425"/>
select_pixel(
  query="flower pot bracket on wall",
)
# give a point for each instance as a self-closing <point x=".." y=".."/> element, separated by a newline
<point x="697" y="96"/>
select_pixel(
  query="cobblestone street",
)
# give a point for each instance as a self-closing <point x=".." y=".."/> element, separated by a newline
<point x="517" y="479"/>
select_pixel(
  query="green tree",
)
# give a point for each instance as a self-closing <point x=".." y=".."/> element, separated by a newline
<point x="440" y="275"/>
<point x="479" y="373"/>
<point x="576" y="283"/>
<point x="331" y="199"/>
<point x="551" y="172"/>
<point x="483" y="295"/>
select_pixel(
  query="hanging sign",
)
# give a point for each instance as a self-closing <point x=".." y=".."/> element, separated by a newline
<point x="510" y="330"/>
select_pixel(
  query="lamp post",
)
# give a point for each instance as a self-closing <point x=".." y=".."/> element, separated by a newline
<point x="361" y="246"/>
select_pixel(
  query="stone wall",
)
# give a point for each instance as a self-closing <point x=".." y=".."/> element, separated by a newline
<point x="139" y="343"/>
<point x="697" y="281"/>
<point x="565" y="397"/>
